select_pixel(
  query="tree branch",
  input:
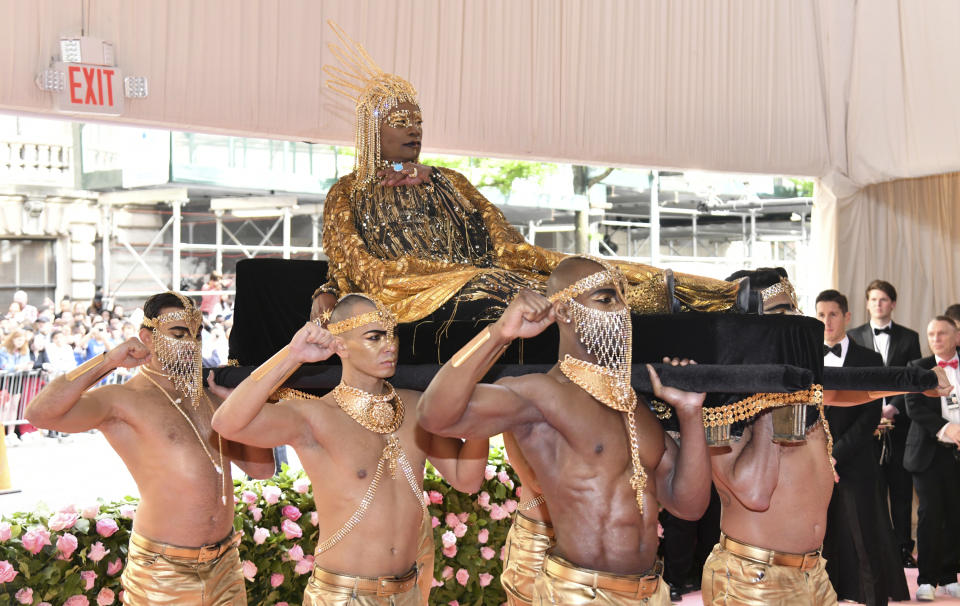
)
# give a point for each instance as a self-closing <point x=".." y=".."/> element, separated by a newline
<point x="594" y="180"/>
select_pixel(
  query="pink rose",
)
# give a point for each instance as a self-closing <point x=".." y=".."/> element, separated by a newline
<point x="77" y="600"/>
<point x="434" y="521"/>
<point x="301" y="485"/>
<point x="128" y="511"/>
<point x="106" y="527"/>
<point x="71" y="508"/>
<point x="90" y="511"/>
<point x="295" y="553"/>
<point x="291" y="530"/>
<point x="447" y="573"/>
<point x="463" y="576"/>
<point x="7" y="573"/>
<point x="503" y="552"/>
<point x="486" y="553"/>
<point x="451" y="520"/>
<point x="314" y="518"/>
<point x="276" y="579"/>
<point x="460" y="529"/>
<point x="105" y="597"/>
<point x="25" y="596"/>
<point x="463" y="516"/>
<point x="448" y="539"/>
<point x="62" y="521"/>
<point x="503" y="476"/>
<point x="435" y="497"/>
<point x="453" y="603"/>
<point x="291" y="512"/>
<point x="510" y="505"/>
<point x="249" y="570"/>
<point x="34" y="539"/>
<point x="435" y="583"/>
<point x="260" y="535"/>
<point x="304" y="566"/>
<point x="484" y="500"/>
<point x="483" y="535"/>
<point x="97" y="552"/>
<point x="249" y="497"/>
<point x="281" y="604"/>
<point x="88" y="577"/>
<point x="449" y="551"/>
<point x="498" y="513"/>
<point x="66" y="545"/>
<point x="256" y="513"/>
<point x="114" y="567"/>
<point x="485" y="578"/>
<point x="272" y="494"/>
<point x="5" y="532"/>
<point x="490" y="472"/>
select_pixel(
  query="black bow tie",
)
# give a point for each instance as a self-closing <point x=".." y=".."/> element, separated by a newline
<point x="835" y="350"/>
<point x="877" y="331"/>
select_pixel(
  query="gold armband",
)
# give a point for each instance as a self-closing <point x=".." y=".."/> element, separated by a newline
<point x="471" y="348"/>
<point x="84" y="368"/>
<point x="269" y="365"/>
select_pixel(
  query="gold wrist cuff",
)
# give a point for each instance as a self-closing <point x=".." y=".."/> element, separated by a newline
<point x="471" y="348"/>
<point x="270" y="364"/>
<point x="86" y="367"/>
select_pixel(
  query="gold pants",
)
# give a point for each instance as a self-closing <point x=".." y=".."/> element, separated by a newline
<point x="565" y="584"/>
<point x="157" y="574"/>
<point x="327" y="588"/>
<point x="732" y="580"/>
<point x="425" y="557"/>
<point x="527" y="544"/>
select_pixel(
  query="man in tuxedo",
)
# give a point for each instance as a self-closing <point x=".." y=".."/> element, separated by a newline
<point x="862" y="560"/>
<point x="932" y="457"/>
<point x="953" y="312"/>
<point x="897" y="345"/>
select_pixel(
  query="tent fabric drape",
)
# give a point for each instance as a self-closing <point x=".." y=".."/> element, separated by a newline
<point x="902" y="231"/>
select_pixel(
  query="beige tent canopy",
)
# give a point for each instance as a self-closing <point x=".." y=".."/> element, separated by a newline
<point x="862" y="96"/>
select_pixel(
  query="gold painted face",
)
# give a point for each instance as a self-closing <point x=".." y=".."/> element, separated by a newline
<point x="401" y="133"/>
<point x="404" y="118"/>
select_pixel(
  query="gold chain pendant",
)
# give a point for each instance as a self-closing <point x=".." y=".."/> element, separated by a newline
<point x="379" y="413"/>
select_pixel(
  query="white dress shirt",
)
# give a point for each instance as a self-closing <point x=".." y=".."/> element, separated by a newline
<point x="948" y="414"/>
<point x="881" y="342"/>
<point x="832" y="360"/>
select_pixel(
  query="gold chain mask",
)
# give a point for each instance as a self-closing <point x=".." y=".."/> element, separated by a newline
<point x="180" y="359"/>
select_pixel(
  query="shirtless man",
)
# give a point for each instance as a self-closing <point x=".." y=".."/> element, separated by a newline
<point x="602" y="474"/>
<point x="364" y="456"/>
<point x="183" y="549"/>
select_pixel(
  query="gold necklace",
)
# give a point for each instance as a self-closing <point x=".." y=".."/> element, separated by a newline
<point x="196" y="432"/>
<point x="602" y="383"/>
<point x="382" y="414"/>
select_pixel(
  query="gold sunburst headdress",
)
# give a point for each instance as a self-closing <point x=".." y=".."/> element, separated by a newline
<point x="375" y="93"/>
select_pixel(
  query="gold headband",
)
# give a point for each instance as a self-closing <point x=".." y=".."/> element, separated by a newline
<point x="189" y="315"/>
<point x="382" y="315"/>
<point x="609" y="275"/>
<point x="782" y="287"/>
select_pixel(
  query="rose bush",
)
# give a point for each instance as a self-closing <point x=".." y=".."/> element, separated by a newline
<point x="75" y="556"/>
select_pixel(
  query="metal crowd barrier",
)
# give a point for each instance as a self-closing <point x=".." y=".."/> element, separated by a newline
<point x="19" y="387"/>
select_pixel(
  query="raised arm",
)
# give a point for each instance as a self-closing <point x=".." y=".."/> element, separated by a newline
<point x="455" y="405"/>
<point x="258" y="463"/>
<point x="65" y="405"/>
<point x="245" y="416"/>
<point x="751" y="470"/>
<point x="460" y="462"/>
<point x="683" y="474"/>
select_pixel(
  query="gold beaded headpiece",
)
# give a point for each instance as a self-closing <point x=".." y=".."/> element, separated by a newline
<point x="189" y="315"/>
<point x="374" y="91"/>
<point x="609" y="275"/>
<point x="382" y="315"/>
<point x="782" y="287"/>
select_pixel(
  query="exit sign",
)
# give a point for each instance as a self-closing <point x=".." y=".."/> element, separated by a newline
<point x="90" y="89"/>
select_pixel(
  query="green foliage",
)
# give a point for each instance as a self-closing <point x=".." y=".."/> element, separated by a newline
<point x="260" y="505"/>
<point x="492" y="172"/>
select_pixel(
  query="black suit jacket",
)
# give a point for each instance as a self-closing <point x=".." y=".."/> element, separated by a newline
<point x="927" y="420"/>
<point x="852" y="427"/>
<point x="904" y="347"/>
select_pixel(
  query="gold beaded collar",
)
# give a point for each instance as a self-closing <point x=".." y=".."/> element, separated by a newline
<point x="382" y="414"/>
<point x="382" y="315"/>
